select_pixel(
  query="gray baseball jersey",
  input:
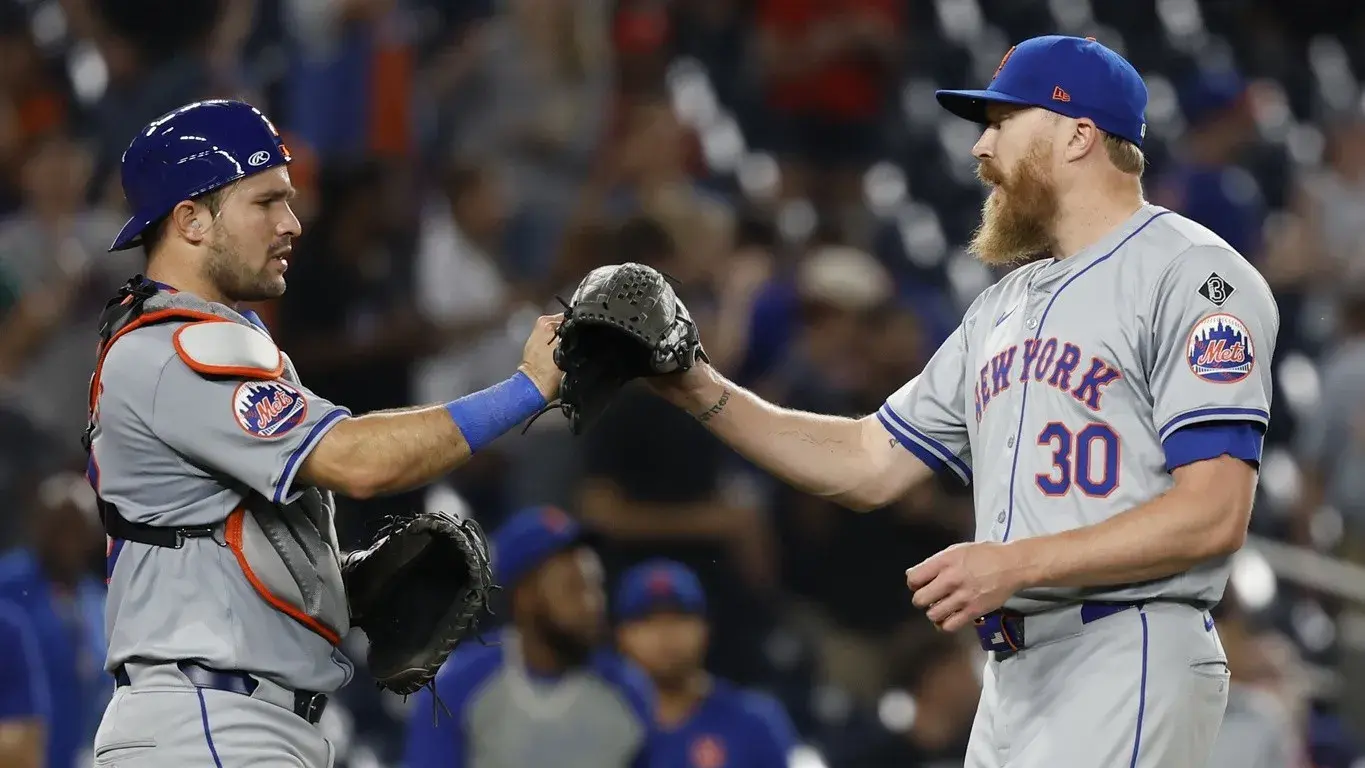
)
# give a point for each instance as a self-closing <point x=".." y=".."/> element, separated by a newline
<point x="172" y="447"/>
<point x="1065" y="395"/>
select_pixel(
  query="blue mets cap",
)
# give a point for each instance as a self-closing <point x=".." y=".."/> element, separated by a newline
<point x="1071" y="76"/>
<point x="659" y="585"/>
<point x="191" y="151"/>
<point x="530" y="537"/>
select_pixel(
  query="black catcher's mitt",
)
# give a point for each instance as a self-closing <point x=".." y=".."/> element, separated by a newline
<point x="418" y="592"/>
<point x="623" y="322"/>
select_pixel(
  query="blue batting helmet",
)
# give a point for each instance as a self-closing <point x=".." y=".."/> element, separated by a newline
<point x="191" y="151"/>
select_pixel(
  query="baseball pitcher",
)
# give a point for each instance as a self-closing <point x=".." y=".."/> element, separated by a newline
<point x="1107" y="401"/>
<point x="214" y="467"/>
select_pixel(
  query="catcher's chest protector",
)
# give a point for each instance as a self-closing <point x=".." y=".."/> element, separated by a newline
<point x="287" y="552"/>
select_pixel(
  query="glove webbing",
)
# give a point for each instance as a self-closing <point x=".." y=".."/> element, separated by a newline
<point x="558" y="402"/>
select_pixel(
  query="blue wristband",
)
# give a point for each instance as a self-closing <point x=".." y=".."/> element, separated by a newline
<point x="485" y="415"/>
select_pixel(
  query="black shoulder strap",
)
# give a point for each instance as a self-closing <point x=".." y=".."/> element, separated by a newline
<point x="120" y="527"/>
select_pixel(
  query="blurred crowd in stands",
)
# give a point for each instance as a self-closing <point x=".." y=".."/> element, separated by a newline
<point x="462" y="162"/>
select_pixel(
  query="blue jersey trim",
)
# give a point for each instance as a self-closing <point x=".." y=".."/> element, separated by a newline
<point x="908" y="435"/>
<point x="1142" y="698"/>
<point x="1199" y="442"/>
<point x="1042" y="323"/>
<point x="1214" y="413"/>
<point x="208" y="733"/>
<point x="314" y="435"/>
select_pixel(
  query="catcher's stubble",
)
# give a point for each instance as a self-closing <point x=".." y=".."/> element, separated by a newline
<point x="1019" y="214"/>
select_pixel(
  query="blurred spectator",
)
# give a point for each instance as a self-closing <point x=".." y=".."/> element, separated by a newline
<point x="829" y="70"/>
<point x="933" y="687"/>
<point x="155" y="53"/>
<point x="348" y="319"/>
<point x="1204" y="181"/>
<point x="32" y="99"/>
<point x="55" y="277"/>
<point x="703" y="720"/>
<point x="547" y="693"/>
<point x="851" y="350"/>
<point x="1322" y="250"/>
<point x="649" y="173"/>
<point x="1266" y="712"/>
<point x="349" y="89"/>
<point x="663" y="490"/>
<point x="535" y="106"/>
<point x="52" y="684"/>
<point x="1331" y="442"/>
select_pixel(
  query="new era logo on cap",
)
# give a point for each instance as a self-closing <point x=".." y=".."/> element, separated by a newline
<point x="1073" y="76"/>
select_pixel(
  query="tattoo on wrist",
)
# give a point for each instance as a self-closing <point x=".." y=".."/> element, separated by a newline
<point x="715" y="410"/>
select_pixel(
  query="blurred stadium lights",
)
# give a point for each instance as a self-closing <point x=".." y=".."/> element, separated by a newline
<point x="967" y="276"/>
<point x="1182" y="22"/>
<point x="832" y="705"/>
<point x="1313" y="626"/>
<point x="1281" y="481"/>
<point x="1306" y="145"/>
<point x="88" y="72"/>
<point x="896" y="710"/>
<point x="919" y="104"/>
<point x="440" y="497"/>
<point x="48" y="25"/>
<point x="1253" y="579"/>
<point x="1298" y="378"/>
<point x="722" y="145"/>
<point x="1326" y="528"/>
<point x="759" y="177"/>
<point x="1273" y="116"/>
<point x="884" y="188"/>
<point x="957" y="137"/>
<point x="1071" y="15"/>
<point x="1331" y="67"/>
<point x="796" y="220"/>
<point x="694" y="100"/>
<point x="805" y="756"/>
<point x="960" y="20"/>
<point x="921" y="235"/>
<point x="1163" y="107"/>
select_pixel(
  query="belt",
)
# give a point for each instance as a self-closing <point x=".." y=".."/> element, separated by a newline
<point x="1002" y="632"/>
<point x="308" y="705"/>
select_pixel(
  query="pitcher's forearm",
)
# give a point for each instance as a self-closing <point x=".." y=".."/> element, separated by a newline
<point x="821" y="455"/>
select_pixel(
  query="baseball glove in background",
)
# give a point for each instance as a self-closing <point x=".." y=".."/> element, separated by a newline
<point x="418" y="592"/>
<point x="623" y="322"/>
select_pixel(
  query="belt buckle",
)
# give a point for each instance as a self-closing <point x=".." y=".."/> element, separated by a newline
<point x="1001" y="632"/>
<point x="310" y="706"/>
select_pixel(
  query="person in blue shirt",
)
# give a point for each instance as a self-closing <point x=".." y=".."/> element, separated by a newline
<point x="703" y="721"/>
<point x="544" y="692"/>
<point x="52" y="686"/>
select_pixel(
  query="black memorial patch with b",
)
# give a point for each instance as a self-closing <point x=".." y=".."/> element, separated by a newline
<point x="1216" y="289"/>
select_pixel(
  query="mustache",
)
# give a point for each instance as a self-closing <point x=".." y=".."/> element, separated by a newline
<point x="989" y="173"/>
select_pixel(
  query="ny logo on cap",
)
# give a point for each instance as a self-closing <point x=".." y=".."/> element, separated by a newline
<point x="1006" y="58"/>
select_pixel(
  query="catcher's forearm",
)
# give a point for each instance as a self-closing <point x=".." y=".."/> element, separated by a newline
<point x="394" y="451"/>
<point x="821" y="455"/>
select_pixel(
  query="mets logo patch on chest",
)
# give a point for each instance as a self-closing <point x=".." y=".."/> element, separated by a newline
<point x="268" y="408"/>
<point x="1220" y="349"/>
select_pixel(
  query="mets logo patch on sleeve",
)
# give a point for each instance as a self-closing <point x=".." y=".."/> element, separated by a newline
<point x="1220" y="349"/>
<point x="268" y="408"/>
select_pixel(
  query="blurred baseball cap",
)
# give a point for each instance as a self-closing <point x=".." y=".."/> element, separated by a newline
<point x="530" y="537"/>
<point x="1072" y="76"/>
<point x="1207" y="92"/>
<point x="659" y="585"/>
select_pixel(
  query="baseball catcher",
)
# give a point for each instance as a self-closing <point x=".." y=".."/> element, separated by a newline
<point x="623" y="322"/>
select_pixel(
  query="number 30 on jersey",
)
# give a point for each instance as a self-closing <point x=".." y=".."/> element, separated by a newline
<point x="1086" y="460"/>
